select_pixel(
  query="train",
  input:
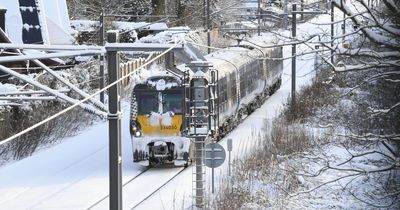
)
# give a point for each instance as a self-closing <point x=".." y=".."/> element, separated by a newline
<point x="246" y="75"/>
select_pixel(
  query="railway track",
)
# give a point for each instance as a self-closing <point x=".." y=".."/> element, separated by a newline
<point x="147" y="197"/>
<point x="107" y="196"/>
<point x="132" y="186"/>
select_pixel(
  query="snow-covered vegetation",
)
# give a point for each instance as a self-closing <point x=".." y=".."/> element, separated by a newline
<point x="16" y="116"/>
<point x="323" y="156"/>
<point x="337" y="146"/>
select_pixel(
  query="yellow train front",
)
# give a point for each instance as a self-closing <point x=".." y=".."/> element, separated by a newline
<point x="156" y="122"/>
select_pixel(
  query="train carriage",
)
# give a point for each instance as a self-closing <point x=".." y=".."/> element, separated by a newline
<point x="246" y="78"/>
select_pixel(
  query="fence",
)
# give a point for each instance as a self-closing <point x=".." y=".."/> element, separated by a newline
<point x="132" y="66"/>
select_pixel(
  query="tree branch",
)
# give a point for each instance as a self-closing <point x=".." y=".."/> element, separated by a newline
<point x="372" y="136"/>
<point x="375" y="112"/>
<point x="392" y="6"/>
<point x="325" y="183"/>
<point x="371" y="204"/>
<point x="389" y="42"/>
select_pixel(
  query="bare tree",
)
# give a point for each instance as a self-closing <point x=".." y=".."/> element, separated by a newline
<point x="371" y="52"/>
<point x="92" y="8"/>
<point x="366" y="68"/>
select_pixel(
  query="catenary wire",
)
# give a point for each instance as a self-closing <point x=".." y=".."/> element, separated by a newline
<point x="83" y="100"/>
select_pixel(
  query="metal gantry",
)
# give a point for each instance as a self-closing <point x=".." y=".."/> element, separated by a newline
<point x="68" y="51"/>
<point x="201" y="117"/>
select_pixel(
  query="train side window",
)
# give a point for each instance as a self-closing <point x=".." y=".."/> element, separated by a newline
<point x="222" y="93"/>
<point x="233" y="86"/>
<point x="223" y="89"/>
<point x="242" y="82"/>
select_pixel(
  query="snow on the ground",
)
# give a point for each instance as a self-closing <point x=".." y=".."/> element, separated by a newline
<point x="74" y="174"/>
<point x="6" y="88"/>
<point x="71" y="175"/>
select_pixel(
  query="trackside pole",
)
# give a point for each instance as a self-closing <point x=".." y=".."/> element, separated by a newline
<point x="229" y="155"/>
<point x="200" y="171"/>
<point x="294" y="8"/>
<point x="212" y="168"/>
<point x="332" y="30"/>
<point x="101" y="42"/>
<point x="285" y="17"/>
<point x="115" y="158"/>
<point x="258" y="17"/>
<point x="208" y="27"/>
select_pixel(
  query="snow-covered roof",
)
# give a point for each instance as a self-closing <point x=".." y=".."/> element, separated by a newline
<point x="141" y="26"/>
<point x="131" y="27"/>
<point x="90" y="25"/>
<point x="250" y="5"/>
<point x="242" y="24"/>
<point x="169" y="36"/>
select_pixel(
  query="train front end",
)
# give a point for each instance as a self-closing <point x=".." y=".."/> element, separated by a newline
<point x="156" y="122"/>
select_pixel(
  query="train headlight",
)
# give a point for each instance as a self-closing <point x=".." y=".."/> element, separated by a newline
<point x="138" y="133"/>
<point x="134" y="128"/>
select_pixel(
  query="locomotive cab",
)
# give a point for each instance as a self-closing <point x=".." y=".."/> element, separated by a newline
<point x="156" y="122"/>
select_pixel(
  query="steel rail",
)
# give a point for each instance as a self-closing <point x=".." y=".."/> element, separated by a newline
<point x="108" y="195"/>
<point x="151" y="194"/>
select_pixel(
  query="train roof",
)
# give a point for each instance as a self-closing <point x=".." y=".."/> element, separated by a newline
<point x="156" y="77"/>
<point x="159" y="83"/>
<point x="250" y="49"/>
<point x="224" y="60"/>
<point x="231" y="59"/>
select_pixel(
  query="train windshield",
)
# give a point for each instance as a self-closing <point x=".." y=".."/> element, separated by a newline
<point x="147" y="102"/>
<point x="172" y="102"/>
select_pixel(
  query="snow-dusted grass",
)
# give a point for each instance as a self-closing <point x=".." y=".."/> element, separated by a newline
<point x="312" y="98"/>
<point x="261" y="178"/>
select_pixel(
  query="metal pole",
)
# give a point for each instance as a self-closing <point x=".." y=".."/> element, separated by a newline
<point x="229" y="156"/>
<point x="229" y="163"/>
<point x="344" y="21"/>
<point x="204" y="14"/>
<point x="294" y="8"/>
<point x="115" y="158"/>
<point x="212" y="168"/>
<point x="199" y="147"/>
<point x="332" y="29"/>
<point x="302" y="9"/>
<point x="285" y="17"/>
<point x="101" y="42"/>
<point x="208" y="27"/>
<point x="258" y="17"/>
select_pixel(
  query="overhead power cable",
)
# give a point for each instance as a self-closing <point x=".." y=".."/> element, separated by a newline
<point x="83" y="100"/>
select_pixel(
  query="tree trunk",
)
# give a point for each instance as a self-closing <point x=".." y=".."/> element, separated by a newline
<point x="158" y="6"/>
